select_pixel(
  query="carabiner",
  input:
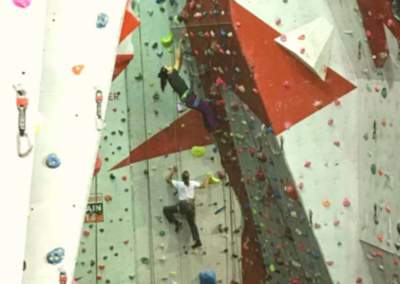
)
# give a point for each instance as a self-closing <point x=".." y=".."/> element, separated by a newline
<point x="28" y="145"/>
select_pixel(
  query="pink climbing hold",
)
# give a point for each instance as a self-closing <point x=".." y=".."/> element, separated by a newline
<point x="22" y="3"/>
<point x="307" y="164"/>
<point x="346" y="202"/>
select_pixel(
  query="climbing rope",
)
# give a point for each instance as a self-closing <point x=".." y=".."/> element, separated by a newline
<point x="22" y="106"/>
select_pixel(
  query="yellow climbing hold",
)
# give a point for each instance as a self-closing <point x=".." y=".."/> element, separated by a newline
<point x="212" y="179"/>
<point x="167" y="40"/>
<point x="198" y="151"/>
<point x="272" y="267"/>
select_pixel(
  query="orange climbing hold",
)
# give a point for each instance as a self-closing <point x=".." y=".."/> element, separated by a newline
<point x="77" y="69"/>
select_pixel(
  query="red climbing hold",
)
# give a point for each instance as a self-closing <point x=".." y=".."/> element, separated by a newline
<point x="97" y="166"/>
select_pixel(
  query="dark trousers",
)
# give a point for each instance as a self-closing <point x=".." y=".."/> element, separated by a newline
<point x="187" y="209"/>
<point x="209" y="118"/>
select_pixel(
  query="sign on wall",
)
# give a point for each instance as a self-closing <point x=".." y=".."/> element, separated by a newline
<point x="94" y="210"/>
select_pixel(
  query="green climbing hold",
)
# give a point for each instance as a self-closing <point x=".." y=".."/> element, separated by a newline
<point x="272" y="267"/>
<point x="167" y="40"/>
<point x="384" y="93"/>
<point x="162" y="233"/>
<point x="373" y="169"/>
<point x="198" y="151"/>
<point x="145" y="260"/>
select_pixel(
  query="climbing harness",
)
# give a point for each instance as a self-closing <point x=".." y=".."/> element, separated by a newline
<point x="99" y="102"/>
<point x="22" y="106"/>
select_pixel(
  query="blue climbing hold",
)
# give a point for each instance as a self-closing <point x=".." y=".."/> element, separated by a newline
<point x="102" y="21"/>
<point x="160" y="1"/>
<point x="56" y="256"/>
<point x="208" y="277"/>
<point x="52" y="161"/>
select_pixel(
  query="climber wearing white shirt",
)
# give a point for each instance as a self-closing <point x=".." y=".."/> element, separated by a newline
<point x="186" y="193"/>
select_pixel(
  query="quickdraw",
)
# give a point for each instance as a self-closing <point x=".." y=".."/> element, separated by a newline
<point x="22" y="106"/>
<point x="99" y="103"/>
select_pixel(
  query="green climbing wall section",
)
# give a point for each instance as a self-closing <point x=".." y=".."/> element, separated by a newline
<point x="127" y="239"/>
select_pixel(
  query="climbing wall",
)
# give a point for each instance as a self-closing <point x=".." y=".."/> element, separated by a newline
<point x="77" y="71"/>
<point x="20" y="22"/>
<point x="306" y="94"/>
<point x="131" y="241"/>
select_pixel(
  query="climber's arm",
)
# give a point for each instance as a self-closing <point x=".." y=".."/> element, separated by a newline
<point x="205" y="182"/>
<point x="178" y="56"/>
<point x="168" y="178"/>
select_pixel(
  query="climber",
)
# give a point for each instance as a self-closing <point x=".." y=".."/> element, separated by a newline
<point x="396" y="9"/>
<point x="186" y="205"/>
<point x="171" y="75"/>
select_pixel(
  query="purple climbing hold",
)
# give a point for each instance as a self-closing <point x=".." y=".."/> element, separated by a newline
<point x="22" y="3"/>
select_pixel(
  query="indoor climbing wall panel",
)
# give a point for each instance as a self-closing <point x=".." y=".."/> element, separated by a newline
<point x="21" y="22"/>
<point x="133" y="242"/>
<point x="76" y="76"/>
<point x="297" y="73"/>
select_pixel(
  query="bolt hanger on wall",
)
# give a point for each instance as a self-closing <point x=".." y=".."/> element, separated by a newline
<point x="99" y="101"/>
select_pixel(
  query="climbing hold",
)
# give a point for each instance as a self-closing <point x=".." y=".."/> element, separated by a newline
<point x="272" y="267"/>
<point x="326" y="203"/>
<point x="145" y="260"/>
<point x="52" y="161"/>
<point x="167" y="40"/>
<point x="373" y="169"/>
<point x="22" y="3"/>
<point x="260" y="175"/>
<point x="208" y="277"/>
<point x="62" y="277"/>
<point x="198" y="151"/>
<point x="108" y="198"/>
<point x="97" y="166"/>
<point x="384" y="93"/>
<point x="56" y="256"/>
<point x="219" y="210"/>
<point x="346" y="202"/>
<point x="77" y="69"/>
<point x="102" y="20"/>
<point x="162" y="233"/>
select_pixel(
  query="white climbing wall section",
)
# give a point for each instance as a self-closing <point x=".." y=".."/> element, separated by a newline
<point x="22" y="29"/>
<point x="311" y="44"/>
<point x="80" y="49"/>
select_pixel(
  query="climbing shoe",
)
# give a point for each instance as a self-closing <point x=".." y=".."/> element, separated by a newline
<point x="178" y="227"/>
<point x="196" y="245"/>
<point x="396" y="9"/>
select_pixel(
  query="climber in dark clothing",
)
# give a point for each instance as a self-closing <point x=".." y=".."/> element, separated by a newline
<point x="171" y="75"/>
<point x="396" y="9"/>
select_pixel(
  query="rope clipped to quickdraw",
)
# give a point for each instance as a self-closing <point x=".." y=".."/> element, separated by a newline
<point x="23" y="149"/>
<point x="99" y="106"/>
